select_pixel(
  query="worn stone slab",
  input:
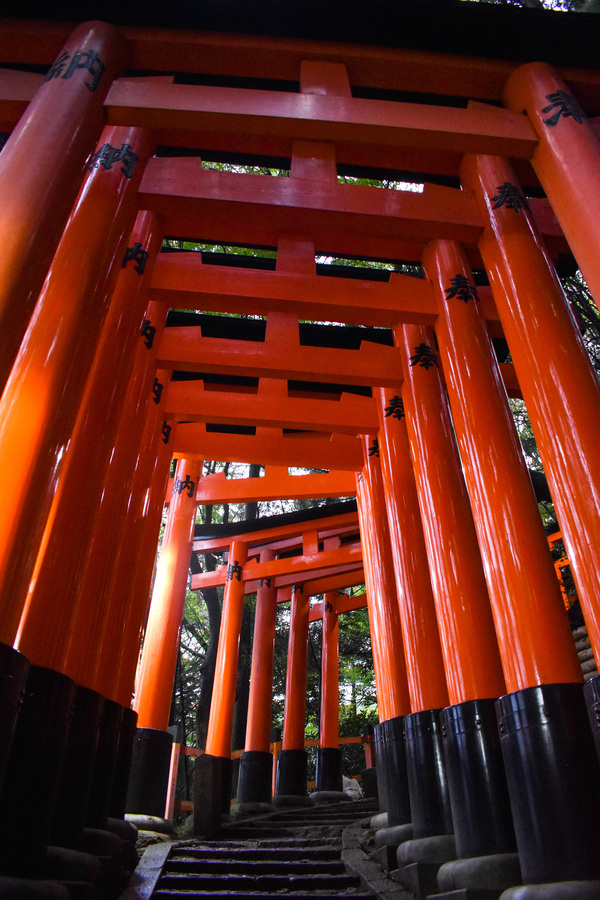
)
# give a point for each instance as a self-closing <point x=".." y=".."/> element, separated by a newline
<point x="560" y="890"/>
<point x="145" y="878"/>
<point x="497" y="871"/>
<point x="437" y="849"/>
<point x="419" y="878"/>
<point x="393" y="836"/>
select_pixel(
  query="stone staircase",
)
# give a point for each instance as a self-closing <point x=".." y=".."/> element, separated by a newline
<point x="295" y="852"/>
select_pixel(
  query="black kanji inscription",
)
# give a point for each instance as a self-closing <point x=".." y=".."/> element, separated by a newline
<point x="166" y="432"/>
<point x="157" y="390"/>
<point x="461" y="287"/>
<point x="138" y="255"/>
<point x="511" y="196"/>
<point x="88" y="60"/>
<point x="148" y="332"/>
<point x="565" y="105"/>
<point x="107" y="156"/>
<point x="424" y="356"/>
<point x="186" y="485"/>
<point x="395" y="408"/>
<point x="328" y="607"/>
<point x="264" y="581"/>
<point x="374" y="448"/>
<point x="234" y="571"/>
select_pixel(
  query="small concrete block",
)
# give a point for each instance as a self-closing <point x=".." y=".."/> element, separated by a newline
<point x="418" y="878"/>
<point x="291" y="800"/>
<point x="319" y="797"/>
<point x="242" y="810"/>
<point x="150" y="823"/>
<point x="497" y="871"/>
<point x="385" y="857"/>
<point x="468" y="894"/>
<point x="28" y="889"/>
<point x="559" y="890"/>
<point x="61" y="864"/>
<point x="393" y="836"/>
<point x="379" y="821"/>
<point x="208" y="795"/>
<point x="438" y="849"/>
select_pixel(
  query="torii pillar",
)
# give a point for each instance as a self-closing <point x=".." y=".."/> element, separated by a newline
<point x="213" y="770"/>
<point x="256" y="762"/>
<point x="329" y="756"/>
<point x="292" y="761"/>
<point x="152" y="748"/>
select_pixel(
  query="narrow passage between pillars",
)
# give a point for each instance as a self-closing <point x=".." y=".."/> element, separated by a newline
<point x="152" y="748"/>
<point x="213" y="770"/>
<point x="542" y="720"/>
<point x="386" y="637"/>
<point x="256" y="762"/>
<point x="292" y="761"/>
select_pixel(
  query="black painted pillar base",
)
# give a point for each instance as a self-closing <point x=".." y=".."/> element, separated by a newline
<point x="71" y="809"/>
<point x="329" y="769"/>
<point x="380" y="766"/>
<point x="427" y="781"/>
<point x="591" y="692"/>
<point x="292" y="773"/>
<point x="14" y="668"/>
<point x="33" y="773"/>
<point x="104" y="768"/>
<point x="118" y="798"/>
<point x="553" y="781"/>
<point x="398" y="801"/>
<point x="476" y="781"/>
<point x="368" y="783"/>
<point x="149" y="777"/>
<point x="212" y="793"/>
<point x="255" y="778"/>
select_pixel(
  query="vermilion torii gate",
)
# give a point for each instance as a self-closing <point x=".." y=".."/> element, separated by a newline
<point x="483" y="720"/>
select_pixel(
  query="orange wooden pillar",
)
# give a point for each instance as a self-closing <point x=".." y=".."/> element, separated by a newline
<point x="386" y="640"/>
<point x="424" y="664"/>
<point x="566" y="158"/>
<point x="68" y="641"/>
<point x="558" y="384"/>
<point x="161" y="641"/>
<point x="468" y="642"/>
<point x="42" y="167"/>
<point x="256" y="762"/>
<point x="292" y="759"/>
<point x="329" y="755"/>
<point x="41" y="399"/>
<point x="39" y="408"/>
<point x="213" y="770"/>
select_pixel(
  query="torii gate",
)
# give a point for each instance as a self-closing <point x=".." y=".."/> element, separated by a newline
<point x="84" y="294"/>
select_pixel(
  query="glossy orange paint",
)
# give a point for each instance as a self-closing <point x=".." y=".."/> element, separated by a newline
<point x="559" y="385"/>
<point x="329" y="732"/>
<point x="161" y="641"/>
<point x="258" y="728"/>
<point x="465" y="624"/>
<point x="39" y="406"/>
<point x="533" y="633"/>
<point x="275" y="484"/>
<point x="424" y="663"/>
<point x="218" y="737"/>
<point x="566" y="158"/>
<point x="61" y="563"/>
<point x="384" y="617"/>
<point x="294" y="714"/>
<point x="134" y="566"/>
<point x="42" y="167"/>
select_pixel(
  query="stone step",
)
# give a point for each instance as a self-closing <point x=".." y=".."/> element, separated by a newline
<point x="264" y="883"/>
<point x="258" y="895"/>
<point x="263" y="866"/>
<point x="292" y="853"/>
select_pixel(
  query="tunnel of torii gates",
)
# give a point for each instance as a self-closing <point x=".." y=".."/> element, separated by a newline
<point x="484" y="730"/>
